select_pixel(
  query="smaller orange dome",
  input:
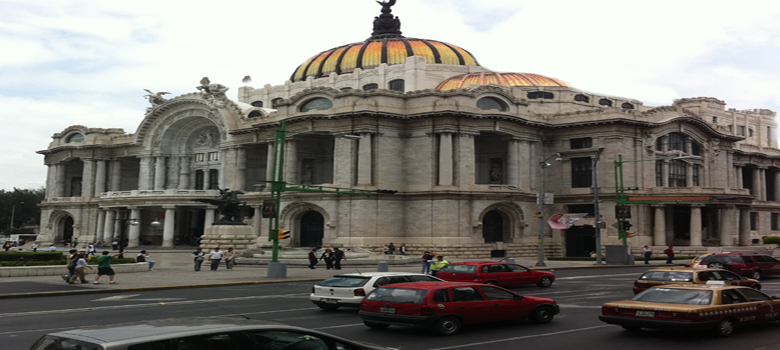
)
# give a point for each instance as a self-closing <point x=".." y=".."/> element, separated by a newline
<point x="506" y="79"/>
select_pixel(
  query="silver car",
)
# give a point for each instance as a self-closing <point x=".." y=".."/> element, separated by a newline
<point x="212" y="333"/>
<point x="349" y="289"/>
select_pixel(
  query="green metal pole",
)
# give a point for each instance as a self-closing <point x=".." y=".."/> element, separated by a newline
<point x="277" y="187"/>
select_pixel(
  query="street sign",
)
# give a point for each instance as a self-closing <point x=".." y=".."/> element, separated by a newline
<point x="269" y="209"/>
<point x="623" y="211"/>
<point x="616" y="225"/>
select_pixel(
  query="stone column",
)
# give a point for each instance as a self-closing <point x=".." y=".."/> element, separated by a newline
<point x="108" y="227"/>
<point x="101" y="225"/>
<point x="88" y="179"/>
<point x="257" y="220"/>
<point x="144" y="173"/>
<point x="269" y="164"/>
<point x="665" y="173"/>
<point x="159" y="173"/>
<point x="209" y="217"/>
<point x="135" y="228"/>
<point x="512" y="163"/>
<point x="100" y="177"/>
<point x="172" y="172"/>
<point x="240" y="169"/>
<point x="762" y="183"/>
<point x="659" y="225"/>
<point x="445" y="159"/>
<point x="689" y="175"/>
<point x="738" y="176"/>
<point x="116" y="175"/>
<point x="206" y="179"/>
<point x="466" y="160"/>
<point x="524" y="158"/>
<point x="744" y="226"/>
<point x="365" y="158"/>
<point x="343" y="160"/>
<point x="777" y="185"/>
<point x="51" y="178"/>
<point x="59" y="188"/>
<point x="291" y="161"/>
<point x="184" y="173"/>
<point x="755" y="189"/>
<point x="727" y="225"/>
<point x="695" y="225"/>
<point x="168" y="226"/>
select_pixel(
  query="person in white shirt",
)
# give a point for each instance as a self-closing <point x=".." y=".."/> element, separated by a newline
<point x="215" y="257"/>
<point x="52" y="248"/>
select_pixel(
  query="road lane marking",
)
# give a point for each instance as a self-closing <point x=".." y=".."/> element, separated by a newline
<point x="523" y="337"/>
<point x="597" y="276"/>
<point x="123" y="297"/>
<point x="341" y="326"/>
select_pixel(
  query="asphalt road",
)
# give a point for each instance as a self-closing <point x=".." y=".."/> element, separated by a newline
<point x="580" y="292"/>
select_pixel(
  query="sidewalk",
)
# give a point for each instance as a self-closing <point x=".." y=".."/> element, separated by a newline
<point x="174" y="269"/>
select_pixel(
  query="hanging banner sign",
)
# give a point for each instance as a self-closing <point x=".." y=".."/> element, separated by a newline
<point x="564" y="221"/>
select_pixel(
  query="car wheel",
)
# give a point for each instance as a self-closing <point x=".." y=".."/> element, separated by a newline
<point x="328" y="307"/>
<point x="715" y="265"/>
<point x="492" y="283"/>
<point x="542" y="315"/>
<point x="725" y="328"/>
<point x="756" y="275"/>
<point x="374" y="325"/>
<point x="545" y="282"/>
<point x="631" y="328"/>
<point x="446" y="326"/>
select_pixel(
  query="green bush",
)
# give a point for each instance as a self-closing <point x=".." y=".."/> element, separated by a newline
<point x="771" y="240"/>
<point x="30" y="256"/>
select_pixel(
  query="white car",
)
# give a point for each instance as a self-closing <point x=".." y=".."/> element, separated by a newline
<point x="349" y="289"/>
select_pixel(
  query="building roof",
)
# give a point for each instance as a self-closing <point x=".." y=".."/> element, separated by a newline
<point x="506" y="79"/>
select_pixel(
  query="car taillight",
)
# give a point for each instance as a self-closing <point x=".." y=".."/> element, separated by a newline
<point x="428" y="311"/>
<point x="608" y="310"/>
<point x="312" y="289"/>
<point x="360" y="292"/>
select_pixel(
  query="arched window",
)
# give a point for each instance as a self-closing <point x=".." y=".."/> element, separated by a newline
<point x="676" y="142"/>
<point x="257" y="104"/>
<point x="275" y="102"/>
<point x="605" y="102"/>
<point x="488" y="103"/>
<point x="533" y="95"/>
<point x="75" y="138"/>
<point x="371" y="86"/>
<point x="659" y="144"/>
<point x="627" y="105"/>
<point x="396" y="85"/>
<point x="317" y="103"/>
<point x="581" y="98"/>
<point x="255" y="114"/>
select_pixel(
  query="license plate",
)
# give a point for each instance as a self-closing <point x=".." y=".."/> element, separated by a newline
<point x="387" y="310"/>
<point x="645" y="313"/>
<point x="330" y="301"/>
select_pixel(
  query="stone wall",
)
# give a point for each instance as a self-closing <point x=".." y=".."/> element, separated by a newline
<point x="473" y="251"/>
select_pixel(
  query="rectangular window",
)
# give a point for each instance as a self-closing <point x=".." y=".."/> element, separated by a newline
<point x="695" y="174"/>
<point x="200" y="157"/>
<point x="581" y="172"/>
<point x="774" y="223"/>
<point x="582" y="142"/>
<point x="198" y="179"/>
<point x="582" y="208"/>
<point x="750" y="132"/>
<point x="677" y="173"/>
<point x="659" y="173"/>
<point x="753" y="221"/>
<point x="213" y="179"/>
<point x="213" y="156"/>
<point x="740" y="130"/>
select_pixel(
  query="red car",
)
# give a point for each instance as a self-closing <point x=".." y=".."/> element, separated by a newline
<point x="444" y="307"/>
<point x="749" y="265"/>
<point x="495" y="273"/>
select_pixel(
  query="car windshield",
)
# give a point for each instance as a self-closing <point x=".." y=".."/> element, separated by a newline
<point x="675" y="296"/>
<point x="344" y="281"/>
<point x="398" y="295"/>
<point x="50" y="342"/>
<point x="670" y="276"/>
<point x="459" y="268"/>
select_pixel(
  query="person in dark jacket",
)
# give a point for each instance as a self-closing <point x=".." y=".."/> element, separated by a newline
<point x="327" y="256"/>
<point x="313" y="257"/>
<point x="338" y="255"/>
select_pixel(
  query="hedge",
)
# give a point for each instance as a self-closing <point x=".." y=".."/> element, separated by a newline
<point x="30" y="256"/>
<point x="771" y="240"/>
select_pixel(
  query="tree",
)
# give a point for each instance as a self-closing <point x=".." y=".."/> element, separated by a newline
<point x="26" y="212"/>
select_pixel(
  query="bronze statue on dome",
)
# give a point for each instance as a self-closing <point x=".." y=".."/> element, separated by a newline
<point x="385" y="25"/>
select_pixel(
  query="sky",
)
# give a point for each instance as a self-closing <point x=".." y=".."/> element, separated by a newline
<point x="87" y="62"/>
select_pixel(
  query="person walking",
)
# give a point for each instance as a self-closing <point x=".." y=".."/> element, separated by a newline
<point x="104" y="267"/>
<point x="327" y="256"/>
<point x="215" y="257"/>
<point x="313" y="258"/>
<point x="669" y="254"/>
<point x="426" y="262"/>
<point x="338" y="255"/>
<point x="648" y="253"/>
<point x="115" y="245"/>
<point x="144" y="257"/>
<point x="91" y="250"/>
<point x="34" y="247"/>
<point x="80" y="270"/>
<point x="402" y="249"/>
<point x="230" y="256"/>
<point x="438" y="264"/>
<point x="75" y="243"/>
<point x="198" y="257"/>
<point x="391" y="248"/>
<point x="71" y="264"/>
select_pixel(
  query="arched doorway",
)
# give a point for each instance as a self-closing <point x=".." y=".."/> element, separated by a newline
<point x="67" y="229"/>
<point x="493" y="227"/>
<point x="312" y="229"/>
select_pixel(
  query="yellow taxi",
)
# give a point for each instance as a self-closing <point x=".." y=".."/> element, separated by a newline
<point x="689" y="275"/>
<point x="716" y="307"/>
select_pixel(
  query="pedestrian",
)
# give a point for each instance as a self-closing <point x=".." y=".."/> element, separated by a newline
<point x="71" y="264"/>
<point x="313" y="258"/>
<point x="402" y="249"/>
<point x="438" y="264"/>
<point x="34" y="247"/>
<point x="215" y="257"/>
<point x="75" y="243"/>
<point x="7" y="246"/>
<point x="80" y="271"/>
<point x="91" y="250"/>
<point x="144" y="257"/>
<point x="230" y="256"/>
<point x="391" y="248"/>
<point x="104" y="267"/>
<point x="338" y="255"/>
<point x="669" y="254"/>
<point x="198" y="257"/>
<point x="426" y="262"/>
<point x="648" y="253"/>
<point x="115" y="245"/>
<point x="386" y="249"/>
<point x="327" y="256"/>
<point x="52" y="248"/>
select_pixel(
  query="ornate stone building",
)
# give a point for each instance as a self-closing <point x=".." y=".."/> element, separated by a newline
<point x="463" y="145"/>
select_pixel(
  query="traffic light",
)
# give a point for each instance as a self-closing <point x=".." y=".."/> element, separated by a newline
<point x="626" y="225"/>
<point x="629" y="234"/>
<point x="386" y="191"/>
<point x="283" y="234"/>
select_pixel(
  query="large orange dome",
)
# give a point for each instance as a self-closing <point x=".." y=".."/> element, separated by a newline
<point x="506" y="79"/>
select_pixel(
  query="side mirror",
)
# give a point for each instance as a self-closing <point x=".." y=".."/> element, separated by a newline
<point x="744" y="278"/>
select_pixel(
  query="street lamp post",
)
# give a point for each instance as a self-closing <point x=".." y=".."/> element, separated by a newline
<point x="123" y="222"/>
<point x="13" y="213"/>
<point x="542" y="199"/>
<point x="596" y="204"/>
